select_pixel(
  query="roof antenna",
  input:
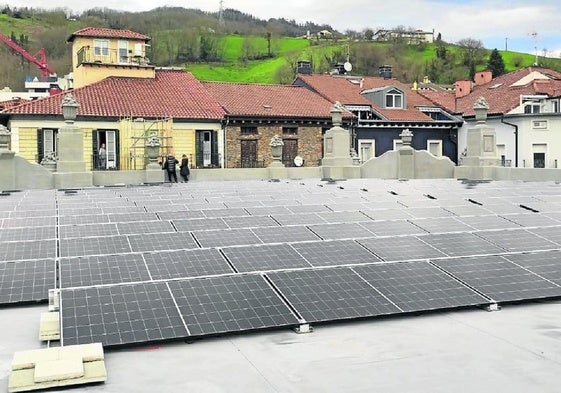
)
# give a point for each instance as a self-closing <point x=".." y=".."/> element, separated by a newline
<point x="535" y="38"/>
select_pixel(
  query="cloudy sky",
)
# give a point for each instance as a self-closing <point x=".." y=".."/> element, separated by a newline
<point x="524" y="26"/>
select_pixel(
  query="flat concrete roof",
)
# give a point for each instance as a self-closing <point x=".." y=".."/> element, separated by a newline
<point x="515" y="349"/>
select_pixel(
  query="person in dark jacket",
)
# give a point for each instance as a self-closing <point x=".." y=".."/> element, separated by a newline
<point x="169" y="166"/>
<point x="184" y="168"/>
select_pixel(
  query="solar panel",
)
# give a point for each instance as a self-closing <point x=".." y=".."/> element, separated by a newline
<point x="230" y="304"/>
<point x="94" y="246"/>
<point x="517" y="240"/>
<point x="499" y="279"/>
<point x="186" y="263"/>
<point x="267" y="210"/>
<point x="83" y="219"/>
<point x="352" y="230"/>
<point x="392" y="228"/>
<point x="441" y="225"/>
<point x="89" y="230"/>
<point x="553" y="234"/>
<point x="225" y="238"/>
<point x="119" y="314"/>
<point x="488" y="222"/>
<point x="344" y="216"/>
<point x="461" y="244"/>
<point x="264" y="257"/>
<point x="336" y="252"/>
<point x="284" y="234"/>
<point x="400" y="248"/>
<point x="26" y="234"/>
<point x="180" y="215"/>
<point x="387" y="214"/>
<point x="298" y="219"/>
<point x="250" y="222"/>
<point x="101" y="270"/>
<point x="531" y="220"/>
<point x="26" y="281"/>
<point x="331" y="294"/>
<point x="546" y="264"/>
<point x="418" y="286"/>
<point x="162" y="241"/>
<point x="427" y="212"/>
<point x="309" y="208"/>
<point x="131" y="216"/>
<point x="27" y="222"/>
<point x="139" y="227"/>
<point x="35" y="249"/>
<point x="199" y="224"/>
<point x="236" y="212"/>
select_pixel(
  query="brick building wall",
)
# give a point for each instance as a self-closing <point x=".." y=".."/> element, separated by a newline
<point x="310" y="142"/>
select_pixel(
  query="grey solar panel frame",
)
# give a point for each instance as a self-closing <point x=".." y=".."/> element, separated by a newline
<point x="298" y="219"/>
<point x="441" y="225"/>
<point x="180" y="214"/>
<point x="29" y="222"/>
<point x="419" y="286"/>
<point x="489" y="222"/>
<point x="553" y="234"/>
<point x="250" y="222"/>
<point x="235" y="212"/>
<point x="119" y="315"/>
<point x="131" y="217"/>
<point x="227" y="304"/>
<point x="334" y="252"/>
<point x="27" y="234"/>
<point x="267" y="210"/>
<point x="531" y="219"/>
<point x="499" y="279"/>
<point x="321" y="295"/>
<point x="310" y="208"/>
<point x="387" y="214"/>
<point x="83" y="220"/>
<point x="186" y="263"/>
<point x="344" y="217"/>
<point x="26" y="281"/>
<point x="402" y="248"/>
<point x="428" y="212"/>
<point x="265" y="257"/>
<point x="102" y="270"/>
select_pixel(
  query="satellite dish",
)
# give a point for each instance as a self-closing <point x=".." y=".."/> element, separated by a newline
<point x="298" y="161"/>
<point x="348" y="66"/>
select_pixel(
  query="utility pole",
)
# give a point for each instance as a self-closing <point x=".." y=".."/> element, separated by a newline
<point x="221" y="13"/>
<point x="535" y="37"/>
<point x="506" y="44"/>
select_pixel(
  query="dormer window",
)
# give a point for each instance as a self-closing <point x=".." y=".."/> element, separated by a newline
<point x="532" y="103"/>
<point x="101" y="47"/>
<point x="394" y="99"/>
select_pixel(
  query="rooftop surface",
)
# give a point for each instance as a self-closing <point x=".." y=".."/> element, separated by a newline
<point x="496" y="242"/>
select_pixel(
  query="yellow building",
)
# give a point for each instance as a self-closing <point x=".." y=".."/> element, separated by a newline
<point x="98" y="53"/>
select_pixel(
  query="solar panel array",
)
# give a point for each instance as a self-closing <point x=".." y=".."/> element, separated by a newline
<point x="150" y="263"/>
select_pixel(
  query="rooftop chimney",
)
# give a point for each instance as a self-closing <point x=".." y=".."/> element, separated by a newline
<point x="385" y="71"/>
<point x="462" y="88"/>
<point x="483" y="77"/>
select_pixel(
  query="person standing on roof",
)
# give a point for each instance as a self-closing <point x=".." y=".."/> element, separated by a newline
<point x="169" y="166"/>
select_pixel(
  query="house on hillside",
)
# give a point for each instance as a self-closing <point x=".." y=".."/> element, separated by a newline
<point x="98" y="53"/>
<point x="122" y="112"/>
<point x="257" y="112"/>
<point x="384" y="107"/>
<point x="409" y="36"/>
<point x="524" y="109"/>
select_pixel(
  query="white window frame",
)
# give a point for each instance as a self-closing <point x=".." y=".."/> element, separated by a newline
<point x="396" y="98"/>
<point x="540" y="125"/>
<point x="101" y="47"/>
<point x="123" y="51"/>
<point x="437" y="142"/>
<point x="372" y="143"/>
<point x="397" y="144"/>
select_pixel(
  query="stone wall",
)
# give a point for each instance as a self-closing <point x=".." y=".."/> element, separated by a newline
<point x="309" y="143"/>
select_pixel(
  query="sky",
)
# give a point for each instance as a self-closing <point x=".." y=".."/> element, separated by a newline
<point x="522" y="26"/>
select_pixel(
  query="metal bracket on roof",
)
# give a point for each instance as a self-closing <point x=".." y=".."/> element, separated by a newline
<point x="304" y="328"/>
<point x="493" y="307"/>
<point x="54" y="299"/>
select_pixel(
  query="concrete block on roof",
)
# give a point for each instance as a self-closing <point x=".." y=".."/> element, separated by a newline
<point x="49" y="326"/>
<point x="59" y="366"/>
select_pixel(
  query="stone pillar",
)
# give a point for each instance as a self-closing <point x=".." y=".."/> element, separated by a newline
<point x="71" y="167"/>
<point x="276" y="144"/>
<point x="406" y="167"/>
<point x="481" y="139"/>
<point x="154" y="172"/>
<point x="337" y="141"/>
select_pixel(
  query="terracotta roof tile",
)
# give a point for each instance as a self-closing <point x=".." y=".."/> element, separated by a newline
<point x="176" y="94"/>
<point x="107" y="33"/>
<point x="503" y="93"/>
<point x="348" y="92"/>
<point x="253" y="99"/>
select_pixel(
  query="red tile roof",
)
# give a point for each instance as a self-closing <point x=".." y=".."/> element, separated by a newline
<point x="503" y="93"/>
<point x="253" y="99"/>
<point x="348" y="92"/>
<point x="101" y="32"/>
<point x="172" y="93"/>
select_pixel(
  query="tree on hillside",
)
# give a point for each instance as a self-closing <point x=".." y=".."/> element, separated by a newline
<point x="496" y="63"/>
<point x="472" y="52"/>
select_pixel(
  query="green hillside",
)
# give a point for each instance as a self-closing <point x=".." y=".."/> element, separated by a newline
<point x="244" y="49"/>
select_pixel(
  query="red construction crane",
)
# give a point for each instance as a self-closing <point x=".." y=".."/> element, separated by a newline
<point x="40" y="60"/>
